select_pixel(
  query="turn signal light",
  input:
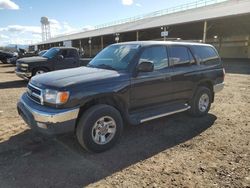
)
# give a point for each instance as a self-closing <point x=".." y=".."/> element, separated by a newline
<point x="63" y="97"/>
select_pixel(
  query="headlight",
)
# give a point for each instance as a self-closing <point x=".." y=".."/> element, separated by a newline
<point x="55" y="97"/>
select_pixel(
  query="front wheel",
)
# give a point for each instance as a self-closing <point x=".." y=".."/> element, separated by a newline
<point x="99" y="128"/>
<point x="39" y="71"/>
<point x="201" y="102"/>
<point x="4" y="61"/>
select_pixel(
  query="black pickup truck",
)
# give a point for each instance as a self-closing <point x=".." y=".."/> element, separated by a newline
<point x="131" y="82"/>
<point x="54" y="59"/>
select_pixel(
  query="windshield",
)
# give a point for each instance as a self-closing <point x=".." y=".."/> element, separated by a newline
<point x="115" y="57"/>
<point x="42" y="52"/>
<point x="51" y="53"/>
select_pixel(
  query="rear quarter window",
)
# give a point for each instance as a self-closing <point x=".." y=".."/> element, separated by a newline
<point x="206" y="55"/>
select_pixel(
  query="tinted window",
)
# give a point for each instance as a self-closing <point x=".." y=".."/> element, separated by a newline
<point x="179" y="55"/>
<point x="191" y="57"/>
<point x="67" y="53"/>
<point x="206" y="54"/>
<point x="51" y="53"/>
<point x="157" y="55"/>
<point x="73" y="53"/>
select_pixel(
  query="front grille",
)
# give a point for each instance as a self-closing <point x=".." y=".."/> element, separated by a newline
<point x="34" y="89"/>
<point x="35" y="93"/>
<point x="19" y="68"/>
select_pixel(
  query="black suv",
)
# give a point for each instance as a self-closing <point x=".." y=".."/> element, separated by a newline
<point x="130" y="82"/>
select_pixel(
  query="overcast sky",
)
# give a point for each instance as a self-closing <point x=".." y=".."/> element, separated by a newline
<point x="20" y="19"/>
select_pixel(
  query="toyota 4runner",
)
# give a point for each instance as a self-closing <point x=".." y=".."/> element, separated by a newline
<point x="132" y="82"/>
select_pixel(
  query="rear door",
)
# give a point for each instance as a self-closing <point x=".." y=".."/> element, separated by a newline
<point x="152" y="88"/>
<point x="70" y="59"/>
<point x="184" y="69"/>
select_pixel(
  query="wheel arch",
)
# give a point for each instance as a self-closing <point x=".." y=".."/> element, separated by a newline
<point x="108" y="99"/>
<point x="205" y="83"/>
<point x="39" y="67"/>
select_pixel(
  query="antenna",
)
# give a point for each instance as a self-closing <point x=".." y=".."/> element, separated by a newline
<point x="45" y="28"/>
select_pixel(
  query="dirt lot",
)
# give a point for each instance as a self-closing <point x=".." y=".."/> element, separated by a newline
<point x="176" y="151"/>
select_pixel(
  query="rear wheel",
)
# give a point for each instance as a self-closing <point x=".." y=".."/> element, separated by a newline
<point x="99" y="128"/>
<point x="201" y="102"/>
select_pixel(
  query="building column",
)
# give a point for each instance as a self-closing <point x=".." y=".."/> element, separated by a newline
<point x="137" y="35"/>
<point x="248" y="46"/>
<point x="102" y="42"/>
<point x="204" y="32"/>
<point x="80" y="44"/>
<point x="220" y="43"/>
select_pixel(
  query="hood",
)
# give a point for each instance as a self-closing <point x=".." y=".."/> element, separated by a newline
<point x="32" y="59"/>
<point x="68" y="77"/>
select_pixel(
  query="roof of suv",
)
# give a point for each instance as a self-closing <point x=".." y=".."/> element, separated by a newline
<point x="149" y="43"/>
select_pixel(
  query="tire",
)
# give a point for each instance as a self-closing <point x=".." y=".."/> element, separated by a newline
<point x="38" y="71"/>
<point x="201" y="102"/>
<point x="88" y="131"/>
<point x="4" y="61"/>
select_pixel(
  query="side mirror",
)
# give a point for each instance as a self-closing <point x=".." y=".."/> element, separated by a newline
<point x="60" y="57"/>
<point x="146" y="66"/>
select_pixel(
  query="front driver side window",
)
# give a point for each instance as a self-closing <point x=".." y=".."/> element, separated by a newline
<point x="68" y="53"/>
<point x="64" y="53"/>
<point x="157" y="55"/>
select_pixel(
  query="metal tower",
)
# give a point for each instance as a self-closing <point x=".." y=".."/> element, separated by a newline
<point x="45" y="28"/>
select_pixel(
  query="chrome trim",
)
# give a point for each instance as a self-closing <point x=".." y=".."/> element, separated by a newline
<point x="46" y="117"/>
<point x="23" y="65"/>
<point x="218" y="87"/>
<point x="23" y="68"/>
<point x="24" y="75"/>
<point x="166" y="114"/>
<point x="35" y="87"/>
<point x="35" y="95"/>
<point x="33" y="100"/>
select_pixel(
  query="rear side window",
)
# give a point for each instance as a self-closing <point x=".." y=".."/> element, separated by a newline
<point x="157" y="54"/>
<point x="180" y="56"/>
<point x="207" y="55"/>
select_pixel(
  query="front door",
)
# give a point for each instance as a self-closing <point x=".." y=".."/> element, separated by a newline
<point x="69" y="60"/>
<point x="152" y="88"/>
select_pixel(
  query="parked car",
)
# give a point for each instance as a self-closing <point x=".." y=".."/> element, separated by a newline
<point x="24" y="53"/>
<point x="7" y="57"/>
<point x="131" y="82"/>
<point x="54" y="59"/>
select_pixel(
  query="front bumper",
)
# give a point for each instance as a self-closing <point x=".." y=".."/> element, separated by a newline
<point x="46" y="119"/>
<point x="23" y="75"/>
<point x="12" y="60"/>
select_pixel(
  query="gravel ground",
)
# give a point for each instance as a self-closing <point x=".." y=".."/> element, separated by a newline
<point x="176" y="151"/>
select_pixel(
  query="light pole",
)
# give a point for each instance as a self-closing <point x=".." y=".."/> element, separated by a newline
<point x="117" y="37"/>
<point x="90" y="47"/>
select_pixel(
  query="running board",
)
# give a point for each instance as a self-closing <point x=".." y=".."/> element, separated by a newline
<point x="166" y="114"/>
<point x="157" y="112"/>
